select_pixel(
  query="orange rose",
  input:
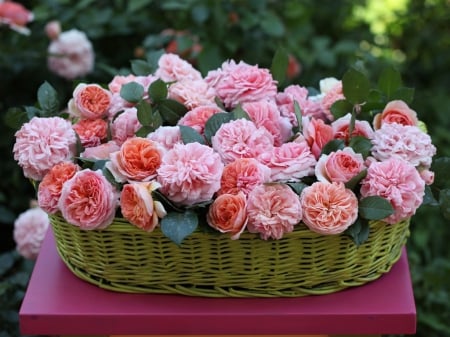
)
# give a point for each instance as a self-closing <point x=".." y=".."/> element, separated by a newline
<point x="137" y="160"/>
<point x="90" y="101"/>
<point x="92" y="132"/>
<point x="228" y="214"/>
<point x="396" y="112"/>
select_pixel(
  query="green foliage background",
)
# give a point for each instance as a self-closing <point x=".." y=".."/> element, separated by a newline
<point x="326" y="37"/>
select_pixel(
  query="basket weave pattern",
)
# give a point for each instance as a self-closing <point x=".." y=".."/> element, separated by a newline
<point x="126" y="259"/>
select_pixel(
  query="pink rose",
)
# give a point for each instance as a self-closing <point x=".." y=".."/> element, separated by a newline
<point x="118" y="105"/>
<point x="427" y="176"/>
<point x="403" y="141"/>
<point x="289" y="162"/>
<point x="332" y="95"/>
<point x="397" y="181"/>
<point x="90" y="101"/>
<point x="328" y="208"/>
<point x="42" y="143"/>
<point x="243" y="175"/>
<point x="227" y="214"/>
<point x="88" y="200"/>
<point x="29" y="232"/>
<point x="273" y="210"/>
<point x="240" y="83"/>
<point x="166" y="136"/>
<point x="241" y="139"/>
<point x="197" y="117"/>
<point x="139" y="207"/>
<point x="15" y="16"/>
<point x="192" y="93"/>
<point x="53" y="29"/>
<point x="125" y="126"/>
<point x="340" y="166"/>
<point x="71" y="55"/>
<point x="101" y="151"/>
<point x="396" y="112"/>
<point x="190" y="173"/>
<point x="118" y="81"/>
<point x="92" y="132"/>
<point x="172" y="67"/>
<point x="341" y="128"/>
<point x="317" y="134"/>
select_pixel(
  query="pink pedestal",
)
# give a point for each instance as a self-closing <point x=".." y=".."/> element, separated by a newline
<point x="58" y="303"/>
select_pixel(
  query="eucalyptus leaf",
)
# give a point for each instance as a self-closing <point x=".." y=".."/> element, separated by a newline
<point x="375" y="208"/>
<point x="177" y="226"/>
<point x="215" y="122"/>
<point x="171" y="111"/>
<point x="238" y="113"/>
<point x="190" y="135"/>
<point x="48" y="99"/>
<point x="297" y="187"/>
<point x="144" y="112"/>
<point x="157" y="91"/>
<point x="132" y="92"/>
<point x="356" y="86"/>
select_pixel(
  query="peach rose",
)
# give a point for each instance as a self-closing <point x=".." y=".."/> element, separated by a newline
<point x="137" y="160"/>
<point x="396" y="112"/>
<point x="341" y="128"/>
<point x="90" y="101"/>
<point x="92" y="132"/>
<point x="339" y="166"/>
<point x="197" y="117"/>
<point x="227" y="214"/>
<point x="317" y="134"/>
<point x="50" y="187"/>
<point x="139" y="207"/>
<point x="328" y="208"/>
<point x="101" y="151"/>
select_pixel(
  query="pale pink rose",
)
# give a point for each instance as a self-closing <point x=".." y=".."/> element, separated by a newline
<point x="327" y="84"/>
<point x="341" y="128"/>
<point x="405" y="142"/>
<point x="241" y="139"/>
<point x="333" y="94"/>
<point x="239" y="83"/>
<point x="243" y="175"/>
<point x="340" y="166"/>
<point x="328" y="208"/>
<point x="30" y="228"/>
<point x="42" y="143"/>
<point x="192" y="93"/>
<point x="92" y="132"/>
<point x="100" y="152"/>
<point x="15" y="16"/>
<point x="197" y="117"/>
<point x="88" y="200"/>
<point x="71" y="55"/>
<point x="396" y="112"/>
<point x="266" y="114"/>
<point x="397" y="181"/>
<point x="228" y="214"/>
<point x="125" y="126"/>
<point x="317" y="134"/>
<point x="53" y="29"/>
<point x="273" y="210"/>
<point x="138" y="206"/>
<point x="118" y="105"/>
<point x="190" y="173"/>
<point x="166" y="136"/>
<point x="118" y="81"/>
<point x="427" y="176"/>
<point x="172" y="67"/>
<point x="289" y="162"/>
<point x="90" y="101"/>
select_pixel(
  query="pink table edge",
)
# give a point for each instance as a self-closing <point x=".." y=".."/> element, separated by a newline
<point x="58" y="303"/>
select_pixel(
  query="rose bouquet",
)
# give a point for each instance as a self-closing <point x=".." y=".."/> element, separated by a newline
<point x="228" y="153"/>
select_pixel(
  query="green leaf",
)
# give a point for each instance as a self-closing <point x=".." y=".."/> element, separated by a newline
<point x="355" y="86"/>
<point x="171" y="111"/>
<point x="428" y="198"/>
<point x="341" y="108"/>
<point x="375" y="208"/>
<point x="271" y="24"/>
<point x="404" y="94"/>
<point x="132" y="92"/>
<point x="390" y="80"/>
<point x="141" y="67"/>
<point x="144" y="113"/>
<point x="359" y="231"/>
<point x="298" y="117"/>
<point x="190" y="135"/>
<point x="135" y="5"/>
<point x="361" y="145"/>
<point x="157" y="91"/>
<point x="239" y="113"/>
<point x="279" y="65"/>
<point x="333" y="146"/>
<point x="153" y="58"/>
<point x="215" y="122"/>
<point x="444" y="200"/>
<point x="15" y="118"/>
<point x="144" y="131"/>
<point x="7" y="261"/>
<point x="441" y="169"/>
<point x="177" y="226"/>
<point x="48" y="99"/>
<point x="297" y="187"/>
<point x="351" y="184"/>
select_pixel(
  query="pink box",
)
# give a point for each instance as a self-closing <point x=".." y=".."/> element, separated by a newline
<point x="59" y="303"/>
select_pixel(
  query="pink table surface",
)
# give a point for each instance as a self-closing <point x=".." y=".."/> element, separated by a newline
<point x="59" y="303"/>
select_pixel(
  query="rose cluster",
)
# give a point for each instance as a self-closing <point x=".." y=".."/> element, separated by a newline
<point x="243" y="172"/>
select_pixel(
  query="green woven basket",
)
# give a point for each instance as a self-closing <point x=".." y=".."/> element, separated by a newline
<point x="126" y="259"/>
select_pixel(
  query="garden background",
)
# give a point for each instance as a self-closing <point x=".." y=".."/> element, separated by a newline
<point x="323" y="39"/>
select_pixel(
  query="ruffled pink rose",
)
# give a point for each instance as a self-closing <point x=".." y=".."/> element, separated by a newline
<point x="341" y="128"/>
<point x="118" y="105"/>
<point x="273" y="210"/>
<point x="396" y="112"/>
<point x="397" y="181"/>
<point x="49" y="190"/>
<point x="228" y="214"/>
<point x="88" y="200"/>
<point x="125" y="125"/>
<point x="239" y="83"/>
<point x="243" y="175"/>
<point x="139" y="207"/>
<point x="29" y="232"/>
<point x="197" y="117"/>
<point x="241" y="139"/>
<point x="172" y="67"/>
<point x="90" y="101"/>
<point x="166" y="136"/>
<point x="340" y="166"/>
<point x="289" y="162"/>
<point x="328" y="208"/>
<point x="42" y="143"/>
<point x="317" y="134"/>
<point x="192" y="93"/>
<point x="92" y="132"/>
<point x="71" y="55"/>
<point x="405" y="142"/>
<point x="190" y="173"/>
<point x="101" y="151"/>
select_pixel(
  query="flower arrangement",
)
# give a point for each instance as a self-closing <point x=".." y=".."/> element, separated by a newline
<point x="229" y="150"/>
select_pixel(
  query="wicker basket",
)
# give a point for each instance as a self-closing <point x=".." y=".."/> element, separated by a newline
<point x="126" y="259"/>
